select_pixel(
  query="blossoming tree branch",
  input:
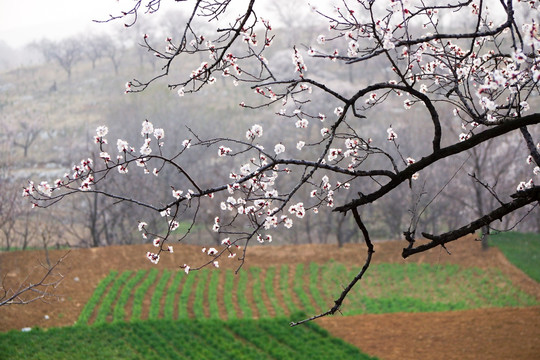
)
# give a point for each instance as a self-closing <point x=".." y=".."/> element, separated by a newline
<point x="486" y="76"/>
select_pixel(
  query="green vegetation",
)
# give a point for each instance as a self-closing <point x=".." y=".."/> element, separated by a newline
<point x="385" y="288"/>
<point x="241" y="295"/>
<point x="88" y="309"/>
<point x="388" y="288"/>
<point x="198" y="305"/>
<point x="187" y="339"/>
<point x="168" y="310"/>
<point x="228" y="294"/>
<point x="522" y="250"/>
<point x="119" y="313"/>
<point x="184" y="297"/>
<point x="298" y="289"/>
<point x="257" y="292"/>
<point x="284" y="288"/>
<point x="155" y="304"/>
<point x="106" y="305"/>
<point x="269" y="288"/>
<point x="212" y="295"/>
<point x="314" y="288"/>
<point x="140" y="292"/>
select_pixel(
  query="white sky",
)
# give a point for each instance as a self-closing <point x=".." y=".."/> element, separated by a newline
<point x="22" y="21"/>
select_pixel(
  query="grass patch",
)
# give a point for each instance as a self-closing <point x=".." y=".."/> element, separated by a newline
<point x="314" y="286"/>
<point x="388" y="288"/>
<point x="522" y="250"/>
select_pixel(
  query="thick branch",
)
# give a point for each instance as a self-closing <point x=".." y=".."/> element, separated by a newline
<point x="445" y="152"/>
<point x="530" y="145"/>
<point x="522" y="199"/>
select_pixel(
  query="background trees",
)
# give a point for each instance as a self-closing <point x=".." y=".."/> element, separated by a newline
<point x="65" y="53"/>
<point x="339" y="142"/>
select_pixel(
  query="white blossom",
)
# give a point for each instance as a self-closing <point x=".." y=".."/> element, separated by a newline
<point x="279" y="148"/>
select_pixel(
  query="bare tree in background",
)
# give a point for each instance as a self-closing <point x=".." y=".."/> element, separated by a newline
<point x="113" y="51"/>
<point x="65" y="53"/>
<point x="93" y="48"/>
<point x="26" y="134"/>
<point x="487" y="74"/>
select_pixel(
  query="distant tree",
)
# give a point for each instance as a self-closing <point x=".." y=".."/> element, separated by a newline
<point x="26" y="134"/>
<point x="10" y="210"/>
<point x="112" y="50"/>
<point x="487" y="74"/>
<point x="93" y="48"/>
<point x="65" y="52"/>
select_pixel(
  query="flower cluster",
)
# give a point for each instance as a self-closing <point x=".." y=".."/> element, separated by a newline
<point x="298" y="61"/>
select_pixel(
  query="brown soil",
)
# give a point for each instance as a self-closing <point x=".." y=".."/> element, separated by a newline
<point x="277" y="291"/>
<point x="249" y="295"/>
<point x="486" y="334"/>
<point x="221" y="294"/>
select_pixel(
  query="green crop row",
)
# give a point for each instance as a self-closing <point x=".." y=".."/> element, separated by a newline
<point x="184" y="297"/>
<point x="88" y="309"/>
<point x="119" y="312"/>
<point x="241" y="293"/>
<point x="168" y="311"/>
<point x="269" y="288"/>
<point x="198" y="305"/>
<point x="155" y="304"/>
<point x="257" y="293"/>
<point x="228" y="294"/>
<point x="105" y="308"/>
<point x="298" y="289"/>
<point x="139" y="294"/>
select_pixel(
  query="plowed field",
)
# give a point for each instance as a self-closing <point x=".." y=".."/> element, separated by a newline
<point x="496" y="333"/>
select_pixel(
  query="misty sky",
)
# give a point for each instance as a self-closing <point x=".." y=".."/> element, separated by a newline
<point x="22" y="21"/>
